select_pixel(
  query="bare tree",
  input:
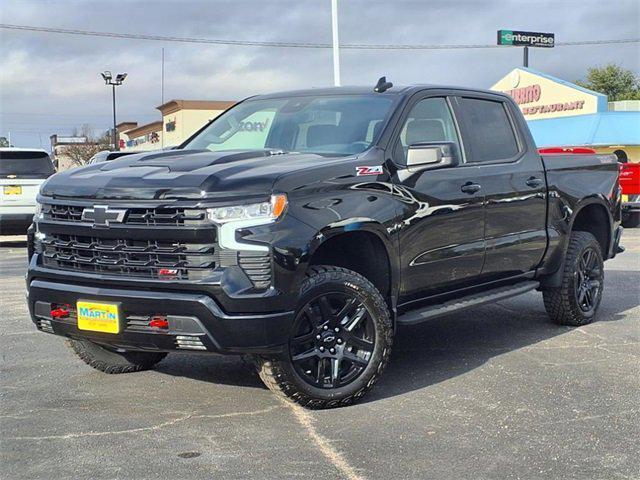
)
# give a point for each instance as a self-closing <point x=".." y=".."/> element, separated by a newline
<point x="80" y="153"/>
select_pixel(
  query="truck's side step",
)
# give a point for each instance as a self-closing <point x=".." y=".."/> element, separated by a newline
<point x="459" y="304"/>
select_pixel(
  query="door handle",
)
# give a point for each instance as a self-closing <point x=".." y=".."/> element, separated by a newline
<point x="470" y="188"/>
<point x="534" y="182"/>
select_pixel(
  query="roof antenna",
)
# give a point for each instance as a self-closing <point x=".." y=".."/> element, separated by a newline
<point x="382" y="85"/>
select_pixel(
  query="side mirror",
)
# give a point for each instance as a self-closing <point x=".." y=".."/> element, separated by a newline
<point x="422" y="156"/>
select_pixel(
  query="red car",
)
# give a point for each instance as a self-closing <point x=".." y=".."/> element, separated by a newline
<point x="630" y="183"/>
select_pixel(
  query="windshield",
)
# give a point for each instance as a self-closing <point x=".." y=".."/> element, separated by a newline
<point x="340" y="124"/>
<point x="25" y="164"/>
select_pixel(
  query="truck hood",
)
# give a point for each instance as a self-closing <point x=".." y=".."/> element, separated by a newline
<point x="183" y="174"/>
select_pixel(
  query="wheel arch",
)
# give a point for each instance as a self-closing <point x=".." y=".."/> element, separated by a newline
<point x="594" y="216"/>
<point x="364" y="246"/>
<point x="591" y="215"/>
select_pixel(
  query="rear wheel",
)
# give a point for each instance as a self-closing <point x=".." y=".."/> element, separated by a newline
<point x="110" y="361"/>
<point x="577" y="300"/>
<point x="339" y="344"/>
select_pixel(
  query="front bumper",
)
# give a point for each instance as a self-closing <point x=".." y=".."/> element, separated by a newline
<point x="196" y="322"/>
<point x="15" y="223"/>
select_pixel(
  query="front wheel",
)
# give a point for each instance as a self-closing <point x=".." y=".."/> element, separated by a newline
<point x="339" y="344"/>
<point x="577" y="299"/>
<point x="110" y="361"/>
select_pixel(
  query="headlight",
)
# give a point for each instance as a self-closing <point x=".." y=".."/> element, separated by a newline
<point x="270" y="210"/>
<point x="231" y="219"/>
<point x="38" y="213"/>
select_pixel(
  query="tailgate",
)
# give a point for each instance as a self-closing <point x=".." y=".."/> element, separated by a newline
<point x="19" y="191"/>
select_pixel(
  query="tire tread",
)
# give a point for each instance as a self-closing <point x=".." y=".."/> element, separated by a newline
<point x="270" y="370"/>
<point x="558" y="301"/>
<point x="133" y="362"/>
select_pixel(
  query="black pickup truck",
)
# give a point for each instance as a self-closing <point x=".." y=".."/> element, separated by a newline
<point x="303" y="228"/>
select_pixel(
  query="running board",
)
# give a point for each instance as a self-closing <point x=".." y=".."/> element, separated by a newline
<point x="459" y="304"/>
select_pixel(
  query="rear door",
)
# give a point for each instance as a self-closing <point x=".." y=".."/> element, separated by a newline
<point x="441" y="240"/>
<point x="513" y="182"/>
<point x="21" y="174"/>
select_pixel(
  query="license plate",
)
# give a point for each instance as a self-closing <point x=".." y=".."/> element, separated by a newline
<point x="98" y="317"/>
<point x="12" y="190"/>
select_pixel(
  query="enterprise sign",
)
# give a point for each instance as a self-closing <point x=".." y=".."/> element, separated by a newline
<point x="526" y="39"/>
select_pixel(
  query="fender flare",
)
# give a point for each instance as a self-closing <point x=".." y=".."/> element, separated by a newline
<point x="555" y="279"/>
<point x="364" y="225"/>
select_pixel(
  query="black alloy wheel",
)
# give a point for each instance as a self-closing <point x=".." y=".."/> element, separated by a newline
<point x="333" y="340"/>
<point x="340" y="341"/>
<point x="576" y="299"/>
<point x="588" y="280"/>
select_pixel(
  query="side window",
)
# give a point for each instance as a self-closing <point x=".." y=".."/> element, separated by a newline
<point x="430" y="120"/>
<point x="491" y="136"/>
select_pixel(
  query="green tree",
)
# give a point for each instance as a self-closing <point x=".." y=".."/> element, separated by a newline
<point x="4" y="142"/>
<point x="615" y="82"/>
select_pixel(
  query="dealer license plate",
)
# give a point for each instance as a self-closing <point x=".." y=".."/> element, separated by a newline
<point x="98" y="317"/>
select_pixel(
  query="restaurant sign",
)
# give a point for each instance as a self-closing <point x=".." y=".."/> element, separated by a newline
<point x="542" y="96"/>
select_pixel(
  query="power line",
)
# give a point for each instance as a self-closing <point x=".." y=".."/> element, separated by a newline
<point x="92" y="115"/>
<point x="352" y="46"/>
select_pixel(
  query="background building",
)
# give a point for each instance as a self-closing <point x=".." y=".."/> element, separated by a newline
<point x="562" y="114"/>
<point x="141" y="138"/>
<point x="180" y="119"/>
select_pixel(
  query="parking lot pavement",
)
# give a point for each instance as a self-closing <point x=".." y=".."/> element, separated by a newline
<point x="497" y="393"/>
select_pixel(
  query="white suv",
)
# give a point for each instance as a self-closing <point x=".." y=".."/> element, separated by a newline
<point x="22" y="171"/>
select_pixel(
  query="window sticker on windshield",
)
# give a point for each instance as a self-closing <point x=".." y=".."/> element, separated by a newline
<point x="377" y="170"/>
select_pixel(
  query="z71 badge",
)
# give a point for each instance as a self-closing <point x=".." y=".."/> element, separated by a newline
<point x="368" y="170"/>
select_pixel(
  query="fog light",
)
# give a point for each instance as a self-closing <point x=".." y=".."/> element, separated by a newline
<point x="159" y="322"/>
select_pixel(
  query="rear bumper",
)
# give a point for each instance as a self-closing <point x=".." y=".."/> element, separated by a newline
<point x="631" y="207"/>
<point x="15" y="223"/>
<point x="196" y="322"/>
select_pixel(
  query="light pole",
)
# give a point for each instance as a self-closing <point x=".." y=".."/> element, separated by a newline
<point x="114" y="82"/>
<point x="335" y="43"/>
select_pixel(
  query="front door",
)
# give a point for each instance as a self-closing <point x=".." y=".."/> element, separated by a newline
<point x="441" y="238"/>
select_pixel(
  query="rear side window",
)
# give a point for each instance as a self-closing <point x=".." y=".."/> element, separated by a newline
<point x="490" y="132"/>
<point x="25" y="164"/>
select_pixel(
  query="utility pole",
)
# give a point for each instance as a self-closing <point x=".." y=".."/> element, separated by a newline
<point x="162" y="100"/>
<point x="336" y="43"/>
<point x="162" y="79"/>
<point x="525" y="57"/>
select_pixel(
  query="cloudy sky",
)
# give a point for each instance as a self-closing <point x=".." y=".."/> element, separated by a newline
<point x="50" y="83"/>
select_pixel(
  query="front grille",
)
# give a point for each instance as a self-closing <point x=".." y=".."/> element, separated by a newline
<point x="158" y="259"/>
<point x="45" y="325"/>
<point x="257" y="266"/>
<point x="189" y="342"/>
<point x="161" y="216"/>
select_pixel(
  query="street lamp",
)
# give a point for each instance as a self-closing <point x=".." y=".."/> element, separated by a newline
<point x="109" y="80"/>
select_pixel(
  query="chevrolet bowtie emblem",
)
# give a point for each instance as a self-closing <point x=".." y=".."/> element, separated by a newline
<point x="102" y="215"/>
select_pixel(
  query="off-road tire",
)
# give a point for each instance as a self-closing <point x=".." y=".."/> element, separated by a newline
<point x="109" y="361"/>
<point x="278" y="373"/>
<point x="560" y="303"/>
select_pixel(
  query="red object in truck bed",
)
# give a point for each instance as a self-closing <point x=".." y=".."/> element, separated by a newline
<point x="565" y="150"/>
<point x="630" y="178"/>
